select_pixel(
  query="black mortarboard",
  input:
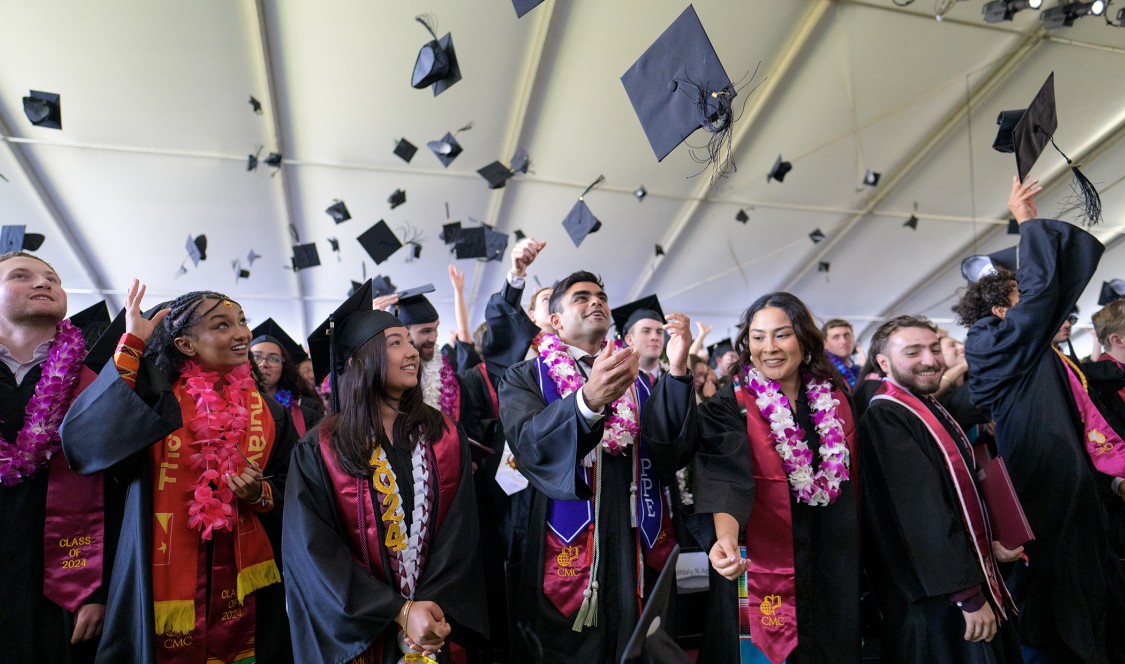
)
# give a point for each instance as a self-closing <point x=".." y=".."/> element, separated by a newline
<point x="305" y="256"/>
<point x="975" y="267"/>
<point x="405" y="150"/>
<point x="449" y="232"/>
<point x="16" y="238"/>
<point x="480" y="242"/>
<point x="197" y="248"/>
<point x="580" y="222"/>
<point x="397" y="198"/>
<point x="334" y="243"/>
<point x="252" y="256"/>
<point x="524" y="6"/>
<point x="43" y="109"/>
<point x="741" y="216"/>
<point x="639" y="193"/>
<point x="344" y="332"/>
<point x="717" y="349"/>
<point x="410" y="293"/>
<point x="273" y="159"/>
<point x="496" y="174"/>
<point x="912" y="222"/>
<point x="339" y="212"/>
<point x="415" y="309"/>
<point x="92" y="321"/>
<point x="871" y="178"/>
<point x="650" y="640"/>
<point x="256" y="105"/>
<point x="659" y="250"/>
<point x="678" y="85"/>
<point x="252" y="161"/>
<point x="380" y="286"/>
<point x="239" y="271"/>
<point x="823" y="266"/>
<point x="1013" y="227"/>
<point x="519" y="234"/>
<point x="816" y="236"/>
<point x="269" y="330"/>
<point x="446" y="149"/>
<point x="437" y="61"/>
<point x="520" y="161"/>
<point x="779" y="170"/>
<point x="1112" y="290"/>
<point x="101" y="351"/>
<point x="627" y="315"/>
<point x="380" y="242"/>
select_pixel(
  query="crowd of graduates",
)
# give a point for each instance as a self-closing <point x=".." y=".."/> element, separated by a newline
<point x="177" y="487"/>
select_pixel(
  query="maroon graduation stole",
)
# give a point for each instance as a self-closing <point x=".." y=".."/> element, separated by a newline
<point x="973" y="515"/>
<point x="491" y="390"/>
<point x="771" y="580"/>
<point x="298" y="419"/>
<point x="569" y="540"/>
<point x="74" y="530"/>
<point x="357" y="509"/>
<point x="1103" y="445"/>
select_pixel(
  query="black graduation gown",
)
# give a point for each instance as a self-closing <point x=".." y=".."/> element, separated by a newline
<point x="1015" y="374"/>
<point x="336" y="607"/>
<point x="33" y="627"/>
<point x="548" y="441"/>
<point x="1106" y="379"/>
<point x="510" y="330"/>
<point x="94" y="440"/>
<point x="825" y="541"/>
<point x="916" y="550"/>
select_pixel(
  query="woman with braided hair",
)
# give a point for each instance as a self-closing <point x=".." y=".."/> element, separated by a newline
<point x="179" y="418"/>
<point x="381" y="547"/>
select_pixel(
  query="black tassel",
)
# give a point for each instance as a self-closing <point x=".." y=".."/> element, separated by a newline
<point x="465" y="128"/>
<point x="1085" y="196"/>
<point x="601" y="179"/>
<point x="715" y="109"/>
<point x="429" y="22"/>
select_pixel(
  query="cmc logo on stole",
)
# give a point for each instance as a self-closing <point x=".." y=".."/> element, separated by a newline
<point x="565" y="559"/>
<point x="770" y="604"/>
<point x="1101" y="445"/>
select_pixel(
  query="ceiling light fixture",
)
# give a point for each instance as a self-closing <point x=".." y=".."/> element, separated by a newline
<point x="998" y="11"/>
<point x="1064" y="15"/>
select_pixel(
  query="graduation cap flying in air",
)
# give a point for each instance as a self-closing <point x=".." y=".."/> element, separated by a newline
<point x="580" y="221"/>
<point x="1026" y="132"/>
<point x="678" y="86"/>
<point x="437" y="61"/>
<point x="446" y="149"/>
<point x="338" y="211"/>
<point x="405" y="150"/>
<point x="482" y="243"/>
<point x="16" y="238"/>
<point x="379" y="241"/>
<point x="524" y="6"/>
<point x="43" y="109"/>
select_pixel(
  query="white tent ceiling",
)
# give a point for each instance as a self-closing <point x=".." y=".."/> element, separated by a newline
<point x="156" y="129"/>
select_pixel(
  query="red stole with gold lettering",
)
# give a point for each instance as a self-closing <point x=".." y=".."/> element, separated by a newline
<point x="1103" y="445"/>
<point x="242" y="560"/>
<point x="364" y="531"/>
<point x="771" y="578"/>
<point x="973" y="515"/>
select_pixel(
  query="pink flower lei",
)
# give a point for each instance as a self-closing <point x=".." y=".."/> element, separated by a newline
<point x="218" y="426"/>
<point x="621" y="428"/>
<point x="38" y="440"/>
<point x="822" y="486"/>
<point x="448" y="385"/>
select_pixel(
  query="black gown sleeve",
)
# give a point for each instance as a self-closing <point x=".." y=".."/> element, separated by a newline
<point x="510" y="330"/>
<point x="466" y="356"/>
<point x="277" y="469"/>
<point x="111" y="421"/>
<point x="723" y="470"/>
<point x="547" y="440"/>
<point x="337" y="608"/>
<point x="1056" y="262"/>
<point x="909" y="499"/>
<point x="666" y="423"/>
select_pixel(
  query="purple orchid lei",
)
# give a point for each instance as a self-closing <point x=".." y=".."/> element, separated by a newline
<point x="822" y="486"/>
<point x="621" y="427"/>
<point x="448" y="386"/>
<point x="38" y="440"/>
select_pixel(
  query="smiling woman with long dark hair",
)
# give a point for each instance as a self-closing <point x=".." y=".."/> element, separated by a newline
<point x="381" y="540"/>
<point x="178" y="418"/>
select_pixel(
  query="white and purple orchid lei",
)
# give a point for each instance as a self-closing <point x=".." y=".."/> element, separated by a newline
<point x="38" y="440"/>
<point x="621" y="428"/>
<point x="822" y="486"/>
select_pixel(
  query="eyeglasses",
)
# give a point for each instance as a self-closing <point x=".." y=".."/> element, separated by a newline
<point x="1073" y="318"/>
<point x="272" y="358"/>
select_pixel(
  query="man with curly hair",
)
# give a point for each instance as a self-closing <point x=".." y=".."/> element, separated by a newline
<point x="1071" y="591"/>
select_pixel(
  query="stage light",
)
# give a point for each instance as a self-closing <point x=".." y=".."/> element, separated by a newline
<point x="1064" y="15"/>
<point x="1003" y="10"/>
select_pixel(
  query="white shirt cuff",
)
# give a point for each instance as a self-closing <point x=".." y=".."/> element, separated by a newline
<point x="514" y="281"/>
<point x="585" y="411"/>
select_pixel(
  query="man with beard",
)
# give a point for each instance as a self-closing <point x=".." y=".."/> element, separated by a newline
<point x="600" y="528"/>
<point x="52" y="521"/>
<point x="932" y="566"/>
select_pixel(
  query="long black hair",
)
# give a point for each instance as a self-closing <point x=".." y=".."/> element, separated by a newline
<point x="357" y="427"/>
<point x="804" y="326"/>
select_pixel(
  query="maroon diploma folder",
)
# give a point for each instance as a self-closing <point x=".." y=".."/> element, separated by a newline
<point x="1009" y="523"/>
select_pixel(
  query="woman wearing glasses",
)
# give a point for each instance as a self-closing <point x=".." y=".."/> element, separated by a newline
<point x="277" y="357"/>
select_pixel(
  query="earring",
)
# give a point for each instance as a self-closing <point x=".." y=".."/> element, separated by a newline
<point x="808" y="358"/>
